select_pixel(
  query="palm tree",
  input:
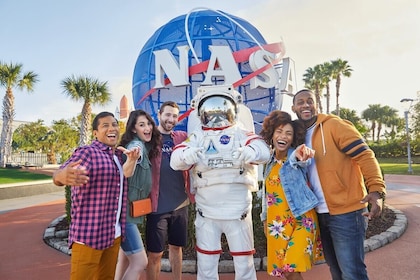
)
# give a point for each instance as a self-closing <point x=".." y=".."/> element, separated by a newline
<point x="326" y="75"/>
<point x="339" y="68"/>
<point x="92" y="92"/>
<point x="313" y="80"/>
<point x="351" y="116"/>
<point x="11" y="76"/>
<point x="389" y="119"/>
<point x="380" y="116"/>
<point x="372" y="114"/>
<point x="397" y="125"/>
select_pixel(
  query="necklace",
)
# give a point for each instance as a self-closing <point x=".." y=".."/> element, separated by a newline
<point x="281" y="161"/>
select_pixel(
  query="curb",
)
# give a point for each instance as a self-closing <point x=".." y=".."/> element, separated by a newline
<point x="25" y="189"/>
<point x="392" y="233"/>
<point x="58" y="240"/>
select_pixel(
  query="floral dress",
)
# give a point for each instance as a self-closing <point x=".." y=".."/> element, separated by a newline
<point x="293" y="244"/>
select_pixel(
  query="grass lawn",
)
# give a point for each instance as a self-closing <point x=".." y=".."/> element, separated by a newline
<point x="10" y="175"/>
<point x="399" y="165"/>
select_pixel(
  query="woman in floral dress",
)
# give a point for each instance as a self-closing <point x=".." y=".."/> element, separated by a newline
<point x="290" y="221"/>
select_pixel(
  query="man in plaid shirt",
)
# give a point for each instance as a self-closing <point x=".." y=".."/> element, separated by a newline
<point x="98" y="199"/>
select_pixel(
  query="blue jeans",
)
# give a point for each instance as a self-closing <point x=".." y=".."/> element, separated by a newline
<point x="342" y="239"/>
<point x="132" y="243"/>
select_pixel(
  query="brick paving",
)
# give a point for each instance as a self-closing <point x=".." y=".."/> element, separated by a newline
<point x="25" y="255"/>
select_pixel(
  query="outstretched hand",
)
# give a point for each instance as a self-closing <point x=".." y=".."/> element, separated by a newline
<point x="376" y="205"/>
<point x="73" y="175"/>
<point x="304" y="153"/>
<point x="132" y="154"/>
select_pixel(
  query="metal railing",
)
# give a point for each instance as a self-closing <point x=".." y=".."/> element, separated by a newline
<point x="29" y="159"/>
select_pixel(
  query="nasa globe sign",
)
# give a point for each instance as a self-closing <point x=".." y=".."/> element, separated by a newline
<point x="209" y="47"/>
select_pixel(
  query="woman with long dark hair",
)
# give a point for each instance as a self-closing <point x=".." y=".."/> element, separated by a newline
<point x="141" y="131"/>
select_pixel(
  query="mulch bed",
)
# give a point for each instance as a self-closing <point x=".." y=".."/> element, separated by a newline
<point x="375" y="226"/>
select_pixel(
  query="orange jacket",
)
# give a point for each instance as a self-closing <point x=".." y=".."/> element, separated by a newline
<point x="347" y="167"/>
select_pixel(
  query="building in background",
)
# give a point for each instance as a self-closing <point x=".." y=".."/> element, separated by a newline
<point x="15" y="124"/>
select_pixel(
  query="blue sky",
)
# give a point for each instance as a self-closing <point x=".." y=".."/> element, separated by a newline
<point x="56" y="39"/>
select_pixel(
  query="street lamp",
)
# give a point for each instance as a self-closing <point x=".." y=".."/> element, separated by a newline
<point x="407" y="102"/>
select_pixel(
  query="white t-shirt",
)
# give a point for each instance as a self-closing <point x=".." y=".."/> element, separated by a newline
<point x="314" y="178"/>
<point x="118" y="224"/>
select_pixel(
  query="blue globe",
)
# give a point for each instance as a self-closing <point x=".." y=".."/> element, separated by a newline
<point x="205" y="28"/>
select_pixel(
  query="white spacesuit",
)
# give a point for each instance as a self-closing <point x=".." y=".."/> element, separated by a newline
<point x="222" y="158"/>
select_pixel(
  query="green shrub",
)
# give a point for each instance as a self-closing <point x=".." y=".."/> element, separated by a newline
<point x="67" y="193"/>
<point x="260" y="241"/>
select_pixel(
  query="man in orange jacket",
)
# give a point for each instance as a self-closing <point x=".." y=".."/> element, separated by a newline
<point x="345" y="176"/>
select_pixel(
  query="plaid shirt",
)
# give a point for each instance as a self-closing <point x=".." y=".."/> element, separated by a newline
<point x="94" y="205"/>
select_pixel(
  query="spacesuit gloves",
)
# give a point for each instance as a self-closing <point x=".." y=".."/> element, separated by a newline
<point x="248" y="154"/>
<point x="191" y="155"/>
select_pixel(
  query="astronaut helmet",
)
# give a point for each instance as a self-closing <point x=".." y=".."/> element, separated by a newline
<point x="216" y="106"/>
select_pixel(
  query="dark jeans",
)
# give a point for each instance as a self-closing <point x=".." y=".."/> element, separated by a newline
<point x="343" y="243"/>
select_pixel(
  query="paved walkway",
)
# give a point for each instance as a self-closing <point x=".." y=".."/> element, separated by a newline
<point x="24" y="255"/>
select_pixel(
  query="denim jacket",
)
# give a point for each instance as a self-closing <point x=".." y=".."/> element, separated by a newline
<point x="294" y="181"/>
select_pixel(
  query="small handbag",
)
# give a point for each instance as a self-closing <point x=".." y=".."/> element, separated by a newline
<point x="141" y="207"/>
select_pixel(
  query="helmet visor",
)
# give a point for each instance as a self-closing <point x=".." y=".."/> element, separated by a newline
<point x="217" y="111"/>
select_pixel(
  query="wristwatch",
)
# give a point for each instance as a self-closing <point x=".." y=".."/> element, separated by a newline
<point x="381" y="195"/>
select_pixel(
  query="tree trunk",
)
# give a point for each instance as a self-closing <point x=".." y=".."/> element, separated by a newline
<point x="327" y="96"/>
<point x="318" y="99"/>
<point x="337" y="95"/>
<point x="379" y="132"/>
<point x="51" y="157"/>
<point x="85" y="124"/>
<point x="373" y="130"/>
<point x="6" y="132"/>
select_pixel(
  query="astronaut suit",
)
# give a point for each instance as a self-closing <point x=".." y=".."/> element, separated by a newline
<point x="222" y="157"/>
